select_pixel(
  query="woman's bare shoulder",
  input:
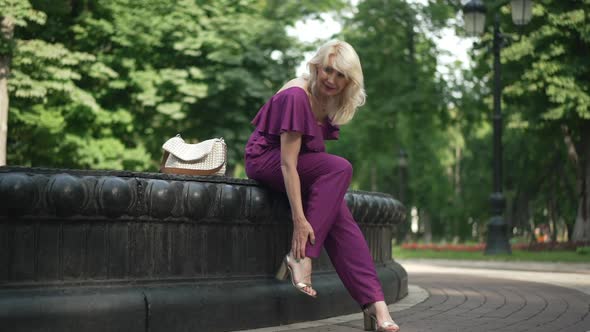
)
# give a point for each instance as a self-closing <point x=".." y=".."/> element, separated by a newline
<point x="298" y="82"/>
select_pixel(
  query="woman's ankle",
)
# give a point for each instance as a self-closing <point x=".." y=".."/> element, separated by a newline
<point x="302" y="269"/>
<point x="381" y="310"/>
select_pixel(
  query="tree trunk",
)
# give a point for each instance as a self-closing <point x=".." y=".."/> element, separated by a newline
<point x="425" y="221"/>
<point x="531" y="220"/>
<point x="582" y="226"/>
<point x="457" y="171"/>
<point x="7" y="28"/>
<point x="373" y="178"/>
<point x="552" y="210"/>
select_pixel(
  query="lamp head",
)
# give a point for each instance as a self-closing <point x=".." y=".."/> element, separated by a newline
<point x="522" y="11"/>
<point x="474" y="16"/>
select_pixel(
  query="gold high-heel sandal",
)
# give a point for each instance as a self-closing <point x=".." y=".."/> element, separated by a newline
<point x="370" y="322"/>
<point x="285" y="270"/>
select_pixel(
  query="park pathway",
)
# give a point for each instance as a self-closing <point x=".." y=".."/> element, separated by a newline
<point x="490" y="297"/>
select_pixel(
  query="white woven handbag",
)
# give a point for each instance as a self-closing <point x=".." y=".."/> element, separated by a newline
<point x="206" y="158"/>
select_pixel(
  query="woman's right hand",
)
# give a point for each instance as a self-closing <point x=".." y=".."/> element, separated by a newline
<point x="302" y="230"/>
<point x="290" y="148"/>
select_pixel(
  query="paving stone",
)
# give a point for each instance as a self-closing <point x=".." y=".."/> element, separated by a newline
<point x="472" y="303"/>
<point x="498" y="305"/>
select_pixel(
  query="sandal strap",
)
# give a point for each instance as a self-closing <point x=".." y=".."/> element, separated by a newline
<point x="388" y="323"/>
<point x="305" y="283"/>
<point x="385" y="324"/>
<point x="302" y="285"/>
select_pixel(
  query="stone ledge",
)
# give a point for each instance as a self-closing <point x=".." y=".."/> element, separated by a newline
<point x="60" y="193"/>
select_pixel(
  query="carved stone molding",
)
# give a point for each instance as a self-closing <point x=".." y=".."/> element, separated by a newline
<point x="123" y="195"/>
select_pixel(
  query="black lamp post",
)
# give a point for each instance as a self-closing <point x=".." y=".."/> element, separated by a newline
<point x="474" y="16"/>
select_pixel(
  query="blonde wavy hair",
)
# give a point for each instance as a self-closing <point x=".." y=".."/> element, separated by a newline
<point x="348" y="63"/>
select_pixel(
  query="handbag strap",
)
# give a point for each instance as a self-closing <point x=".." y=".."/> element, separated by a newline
<point x="188" y="152"/>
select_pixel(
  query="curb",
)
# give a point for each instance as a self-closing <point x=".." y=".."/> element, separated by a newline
<point x="561" y="267"/>
<point x="415" y="295"/>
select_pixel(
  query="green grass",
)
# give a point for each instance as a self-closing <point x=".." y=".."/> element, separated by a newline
<point x="517" y="255"/>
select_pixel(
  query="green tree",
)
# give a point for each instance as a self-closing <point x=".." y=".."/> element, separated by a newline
<point x="56" y="120"/>
<point x="407" y="108"/>
<point x="547" y="93"/>
<point x="19" y="13"/>
<point x="132" y="75"/>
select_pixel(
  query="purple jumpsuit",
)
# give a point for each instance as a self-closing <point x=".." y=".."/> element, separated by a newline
<point x="324" y="180"/>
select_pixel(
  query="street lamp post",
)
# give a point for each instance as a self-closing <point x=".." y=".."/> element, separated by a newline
<point x="474" y="17"/>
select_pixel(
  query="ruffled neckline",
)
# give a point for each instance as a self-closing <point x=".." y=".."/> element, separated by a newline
<point x="327" y="123"/>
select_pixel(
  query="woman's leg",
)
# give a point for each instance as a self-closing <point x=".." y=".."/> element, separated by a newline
<point x="324" y="181"/>
<point x="350" y="255"/>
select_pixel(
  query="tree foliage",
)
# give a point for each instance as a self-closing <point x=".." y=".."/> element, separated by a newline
<point x="545" y="79"/>
<point x="445" y="124"/>
<point x="102" y="84"/>
<point x="406" y="109"/>
<point x="548" y="95"/>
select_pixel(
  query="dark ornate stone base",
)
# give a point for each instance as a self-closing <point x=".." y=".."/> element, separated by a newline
<point x="183" y="306"/>
<point x="123" y="251"/>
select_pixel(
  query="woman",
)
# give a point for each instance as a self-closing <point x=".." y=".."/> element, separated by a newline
<point x="286" y="152"/>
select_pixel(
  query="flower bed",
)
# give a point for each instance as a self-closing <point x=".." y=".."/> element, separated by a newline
<point x="444" y="247"/>
<point x="481" y="246"/>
